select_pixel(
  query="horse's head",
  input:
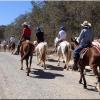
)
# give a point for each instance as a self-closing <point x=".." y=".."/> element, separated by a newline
<point x="35" y="43"/>
<point x="74" y="43"/>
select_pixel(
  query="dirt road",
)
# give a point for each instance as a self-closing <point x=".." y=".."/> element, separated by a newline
<point x="53" y="83"/>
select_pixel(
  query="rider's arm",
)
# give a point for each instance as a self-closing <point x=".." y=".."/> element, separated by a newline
<point x="58" y="36"/>
<point x="81" y="35"/>
<point x="23" y="32"/>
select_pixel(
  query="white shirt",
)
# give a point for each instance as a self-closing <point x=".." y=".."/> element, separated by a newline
<point x="12" y="39"/>
<point x="62" y="35"/>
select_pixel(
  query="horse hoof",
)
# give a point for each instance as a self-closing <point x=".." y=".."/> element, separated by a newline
<point x="67" y="68"/>
<point x="85" y="87"/>
<point x="21" y="69"/>
<point x="78" y="70"/>
<point x="63" y="61"/>
<point x="64" y="67"/>
<point x="27" y="74"/>
<point x="80" y="82"/>
<point x="29" y="70"/>
<point x="44" y="67"/>
<point x="58" y="65"/>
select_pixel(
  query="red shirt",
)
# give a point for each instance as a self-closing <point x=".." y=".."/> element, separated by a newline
<point x="26" y="32"/>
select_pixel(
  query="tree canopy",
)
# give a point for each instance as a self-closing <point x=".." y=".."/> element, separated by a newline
<point x="50" y="15"/>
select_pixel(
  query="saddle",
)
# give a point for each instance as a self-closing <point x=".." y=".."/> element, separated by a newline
<point x="83" y="52"/>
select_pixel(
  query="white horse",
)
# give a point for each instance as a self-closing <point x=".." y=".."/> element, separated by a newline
<point x="64" y="50"/>
<point x="41" y="50"/>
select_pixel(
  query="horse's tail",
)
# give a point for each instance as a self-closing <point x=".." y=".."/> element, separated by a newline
<point x="28" y="51"/>
<point x="43" y="56"/>
<point x="68" y="52"/>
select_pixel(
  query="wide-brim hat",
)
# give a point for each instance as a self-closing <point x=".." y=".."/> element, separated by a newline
<point x="86" y="23"/>
<point x="62" y="27"/>
<point x="25" y="23"/>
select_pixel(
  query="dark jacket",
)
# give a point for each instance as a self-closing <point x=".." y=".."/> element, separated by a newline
<point x="40" y="36"/>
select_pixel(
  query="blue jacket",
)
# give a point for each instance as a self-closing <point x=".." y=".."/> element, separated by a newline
<point x="86" y="36"/>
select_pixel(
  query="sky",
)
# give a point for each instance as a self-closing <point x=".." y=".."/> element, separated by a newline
<point x="9" y="10"/>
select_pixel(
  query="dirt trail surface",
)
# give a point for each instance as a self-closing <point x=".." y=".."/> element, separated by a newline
<point x="53" y="83"/>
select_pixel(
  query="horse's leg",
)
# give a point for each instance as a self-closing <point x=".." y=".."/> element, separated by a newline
<point x="97" y="73"/>
<point x="21" y="64"/>
<point x="43" y="59"/>
<point x="21" y="59"/>
<point x="82" y="76"/>
<point x="65" y="61"/>
<point x="5" y="48"/>
<point x="81" y="72"/>
<point x="43" y="64"/>
<point x="28" y="69"/>
<point x="68" y="59"/>
<point x="30" y="62"/>
<point x="63" y="58"/>
<point x="98" y="84"/>
<point x="58" y="59"/>
<point x="38" y="59"/>
<point x="95" y="70"/>
<point x="26" y="63"/>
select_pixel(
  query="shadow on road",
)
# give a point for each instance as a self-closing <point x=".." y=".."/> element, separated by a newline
<point x="92" y="88"/>
<point x="51" y="67"/>
<point x="52" y="60"/>
<point x="88" y="70"/>
<point x="44" y="75"/>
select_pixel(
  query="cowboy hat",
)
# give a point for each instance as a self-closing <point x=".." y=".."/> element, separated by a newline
<point x="25" y="23"/>
<point x="62" y="27"/>
<point x="86" y="23"/>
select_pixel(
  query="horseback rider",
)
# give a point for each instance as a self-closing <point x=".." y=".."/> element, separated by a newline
<point x="39" y="35"/>
<point x="12" y="39"/>
<point x="84" y="40"/>
<point x="4" y="42"/>
<point x="26" y="35"/>
<point x="61" y="36"/>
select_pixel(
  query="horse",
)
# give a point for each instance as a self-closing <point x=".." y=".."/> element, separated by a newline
<point x="41" y="50"/>
<point x="26" y="51"/>
<point x="64" y="50"/>
<point x="11" y="47"/>
<point x="89" y="57"/>
<point x="4" y="47"/>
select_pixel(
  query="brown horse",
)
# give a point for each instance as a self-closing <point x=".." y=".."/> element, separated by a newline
<point x="11" y="47"/>
<point x="91" y="58"/>
<point x="5" y="47"/>
<point x="26" y="51"/>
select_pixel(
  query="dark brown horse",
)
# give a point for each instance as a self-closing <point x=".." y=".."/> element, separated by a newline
<point x="11" y="47"/>
<point x="5" y="47"/>
<point x="91" y="58"/>
<point x="26" y="51"/>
